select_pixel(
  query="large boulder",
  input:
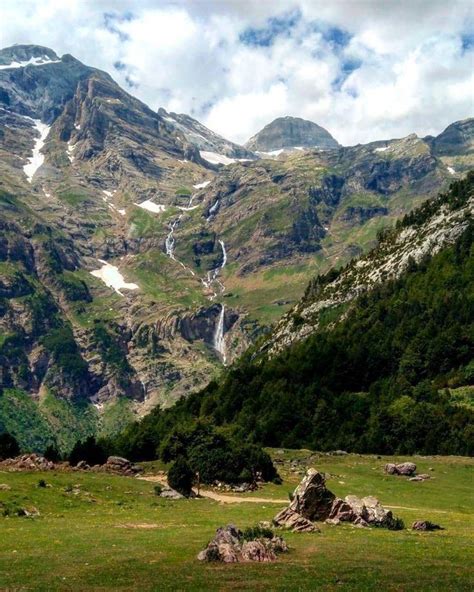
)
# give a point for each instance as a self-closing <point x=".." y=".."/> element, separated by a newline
<point x="229" y="546"/>
<point x="311" y="499"/>
<point x="407" y="468"/>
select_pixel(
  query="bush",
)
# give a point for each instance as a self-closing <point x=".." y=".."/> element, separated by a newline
<point x="42" y="483"/>
<point x="181" y="476"/>
<point x="257" y="532"/>
<point x="158" y="490"/>
<point x="8" y="446"/>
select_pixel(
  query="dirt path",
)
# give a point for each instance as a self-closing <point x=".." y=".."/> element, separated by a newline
<point x="238" y="499"/>
<point x="220" y="497"/>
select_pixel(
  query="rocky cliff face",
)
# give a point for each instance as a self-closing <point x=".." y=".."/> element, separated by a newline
<point x="291" y="132"/>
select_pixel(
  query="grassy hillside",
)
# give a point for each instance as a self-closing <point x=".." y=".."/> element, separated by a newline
<point x="142" y="542"/>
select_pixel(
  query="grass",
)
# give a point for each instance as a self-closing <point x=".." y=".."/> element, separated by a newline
<point x="94" y="537"/>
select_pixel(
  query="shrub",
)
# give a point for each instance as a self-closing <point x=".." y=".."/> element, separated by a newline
<point x="8" y="446"/>
<point x="158" y="489"/>
<point x="257" y="532"/>
<point x="42" y="483"/>
<point x="181" y="476"/>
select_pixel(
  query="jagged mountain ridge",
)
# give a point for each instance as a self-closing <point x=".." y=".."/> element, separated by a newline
<point x="120" y="184"/>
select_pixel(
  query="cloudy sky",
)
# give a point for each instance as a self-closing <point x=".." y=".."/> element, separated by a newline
<point x="364" y="69"/>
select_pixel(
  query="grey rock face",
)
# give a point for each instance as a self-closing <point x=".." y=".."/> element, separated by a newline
<point x="457" y="138"/>
<point x="288" y="132"/>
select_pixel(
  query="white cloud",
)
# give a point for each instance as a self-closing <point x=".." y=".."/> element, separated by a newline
<point x="187" y="56"/>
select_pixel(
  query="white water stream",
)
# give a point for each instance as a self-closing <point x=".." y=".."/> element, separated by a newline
<point x="219" y="341"/>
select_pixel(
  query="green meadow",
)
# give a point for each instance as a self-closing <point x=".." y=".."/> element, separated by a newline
<point x="105" y="532"/>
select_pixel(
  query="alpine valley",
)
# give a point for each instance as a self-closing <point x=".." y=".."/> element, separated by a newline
<point x="140" y="251"/>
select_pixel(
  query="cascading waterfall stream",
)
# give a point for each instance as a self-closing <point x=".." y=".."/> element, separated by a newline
<point x="212" y="275"/>
<point x="219" y="341"/>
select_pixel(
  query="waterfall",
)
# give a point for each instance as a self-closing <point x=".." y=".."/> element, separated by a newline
<point x="219" y="342"/>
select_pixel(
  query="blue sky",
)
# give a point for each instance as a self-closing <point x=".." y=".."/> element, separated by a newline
<point x="364" y="69"/>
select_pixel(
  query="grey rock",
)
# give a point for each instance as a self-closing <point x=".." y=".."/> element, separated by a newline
<point x="406" y="468"/>
<point x="292" y="520"/>
<point x="311" y="498"/>
<point x="425" y="526"/>
<point x="169" y="493"/>
<point x="228" y="546"/>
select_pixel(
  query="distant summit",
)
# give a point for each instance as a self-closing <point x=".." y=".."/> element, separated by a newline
<point x="291" y="132"/>
<point x="26" y="54"/>
<point x="457" y="138"/>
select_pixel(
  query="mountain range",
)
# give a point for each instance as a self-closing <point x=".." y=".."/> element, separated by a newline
<point x="140" y="251"/>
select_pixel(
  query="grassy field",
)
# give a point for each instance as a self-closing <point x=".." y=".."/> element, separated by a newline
<point x="101" y="532"/>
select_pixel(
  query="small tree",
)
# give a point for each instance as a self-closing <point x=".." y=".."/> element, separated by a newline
<point x="181" y="476"/>
<point x="52" y="453"/>
<point x="8" y="446"/>
<point x="90" y="451"/>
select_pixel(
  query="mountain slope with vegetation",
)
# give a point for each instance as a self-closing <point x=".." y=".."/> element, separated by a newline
<point x="375" y="375"/>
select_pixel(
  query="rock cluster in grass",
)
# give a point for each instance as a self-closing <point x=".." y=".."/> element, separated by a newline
<point x="312" y="501"/>
<point x="407" y="469"/>
<point x="230" y="545"/>
<point x="28" y="462"/>
<point x="425" y="526"/>
<point x="122" y="466"/>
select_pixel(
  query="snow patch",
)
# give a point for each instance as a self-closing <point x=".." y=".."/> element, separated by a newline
<point x="382" y="149"/>
<point x="151" y="206"/>
<point x="215" y="158"/>
<point x="201" y="185"/>
<point x="37" y="158"/>
<point x="70" y="150"/>
<point x="451" y="171"/>
<point x="112" y="277"/>
<point x="39" y="61"/>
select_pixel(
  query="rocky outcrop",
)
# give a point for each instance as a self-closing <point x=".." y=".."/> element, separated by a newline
<point x="312" y="501"/>
<point x="229" y="546"/>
